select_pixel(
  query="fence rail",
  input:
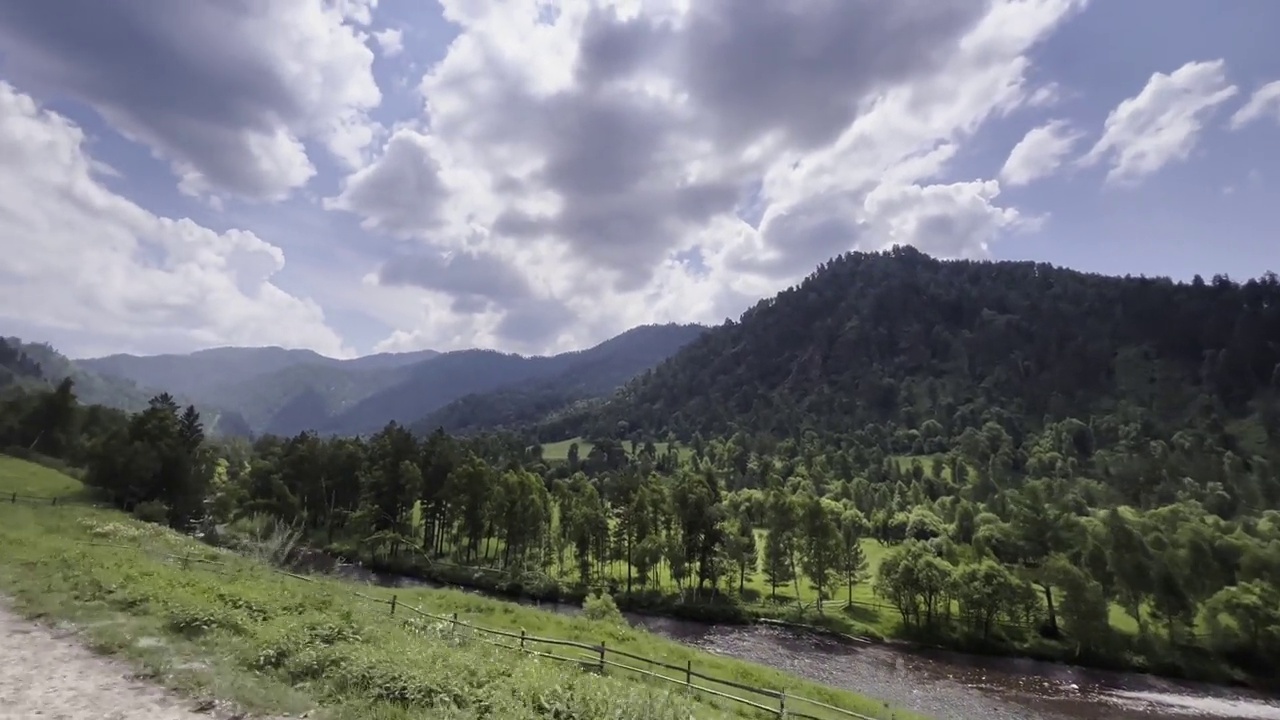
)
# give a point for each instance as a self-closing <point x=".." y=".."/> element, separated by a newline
<point x="15" y="498"/>
<point x="597" y="658"/>
<point x="602" y="660"/>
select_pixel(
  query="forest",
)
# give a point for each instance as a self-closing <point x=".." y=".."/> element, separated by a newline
<point x="997" y="457"/>
<point x="897" y="339"/>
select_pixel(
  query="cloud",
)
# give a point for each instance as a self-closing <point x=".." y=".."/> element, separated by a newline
<point x="1039" y="153"/>
<point x="76" y="256"/>
<point x="471" y="279"/>
<point x="400" y="194"/>
<point x="227" y="92"/>
<point x="390" y="41"/>
<point x="594" y="151"/>
<point x="1160" y="124"/>
<point x="1265" y="102"/>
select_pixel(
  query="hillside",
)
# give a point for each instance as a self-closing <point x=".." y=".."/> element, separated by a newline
<point x="248" y="632"/>
<point x="15" y="366"/>
<point x="91" y="387"/>
<point x="586" y="376"/>
<point x="899" y="337"/>
<point x="95" y="388"/>
<point x="284" y="392"/>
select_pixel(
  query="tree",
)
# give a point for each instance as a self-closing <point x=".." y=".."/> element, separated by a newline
<point x="1084" y="608"/>
<point x="983" y="591"/>
<point x="820" y="544"/>
<point x="780" y="542"/>
<point x="742" y="551"/>
<point x="915" y="581"/>
<point x="853" y="560"/>
<point x="1252" y="610"/>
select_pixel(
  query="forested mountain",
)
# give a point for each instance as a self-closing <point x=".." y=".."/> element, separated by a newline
<point x="593" y="372"/>
<point x="15" y="366"/>
<point x="936" y="347"/>
<point x="582" y="376"/>
<point x="96" y="388"/>
<point x="91" y="387"/>
<point x="284" y="392"/>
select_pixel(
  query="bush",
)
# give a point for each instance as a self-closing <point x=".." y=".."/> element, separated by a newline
<point x="601" y="607"/>
<point x="152" y="511"/>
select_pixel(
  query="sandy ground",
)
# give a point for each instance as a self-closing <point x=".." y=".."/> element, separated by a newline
<point x="46" y="674"/>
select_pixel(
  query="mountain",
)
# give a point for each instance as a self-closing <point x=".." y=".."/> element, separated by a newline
<point x="284" y="392"/>
<point x="95" y="388"/>
<point x="204" y="372"/>
<point x="896" y="339"/>
<point x="92" y="388"/>
<point x="389" y="361"/>
<point x="573" y="379"/>
<point x="15" y="366"/>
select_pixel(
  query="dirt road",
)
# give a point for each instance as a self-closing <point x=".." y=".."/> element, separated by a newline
<point x="47" y="675"/>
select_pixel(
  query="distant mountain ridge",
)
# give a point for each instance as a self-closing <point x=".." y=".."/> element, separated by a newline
<point x="564" y="381"/>
<point x="198" y="372"/>
<point x="285" y="392"/>
<point x="94" y="388"/>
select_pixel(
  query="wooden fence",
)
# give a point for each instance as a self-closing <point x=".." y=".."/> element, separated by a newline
<point x="596" y="658"/>
<point x="15" y="498"/>
<point x="599" y="658"/>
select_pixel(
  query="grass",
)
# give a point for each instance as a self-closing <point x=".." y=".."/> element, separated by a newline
<point x="559" y="451"/>
<point x="28" y="478"/>
<point x="208" y="622"/>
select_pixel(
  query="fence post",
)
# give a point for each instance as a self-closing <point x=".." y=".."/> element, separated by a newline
<point x="522" y="640"/>
<point x="55" y="501"/>
<point x="601" y="657"/>
<point x="782" y="705"/>
<point x="688" y="676"/>
<point x="14" y="500"/>
<point x="393" y="604"/>
<point x="453" y="624"/>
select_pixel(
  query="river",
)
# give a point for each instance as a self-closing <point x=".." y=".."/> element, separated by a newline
<point x="940" y="684"/>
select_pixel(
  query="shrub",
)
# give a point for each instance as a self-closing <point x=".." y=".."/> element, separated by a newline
<point x="152" y="511"/>
<point x="601" y="607"/>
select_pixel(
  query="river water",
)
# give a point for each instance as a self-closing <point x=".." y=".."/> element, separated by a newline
<point x="941" y="684"/>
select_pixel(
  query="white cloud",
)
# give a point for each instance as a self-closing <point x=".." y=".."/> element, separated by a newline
<point x="1039" y="153"/>
<point x="390" y="41"/>
<point x="228" y="93"/>
<point x="1045" y="95"/>
<point x="1265" y="102"/>
<point x="1161" y="124"/>
<point x="594" y="153"/>
<point x="74" y="255"/>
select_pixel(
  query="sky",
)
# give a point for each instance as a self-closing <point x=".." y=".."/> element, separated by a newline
<point x="357" y="176"/>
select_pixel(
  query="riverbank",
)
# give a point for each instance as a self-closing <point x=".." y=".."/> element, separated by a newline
<point x="848" y="623"/>
<point x="208" y="622"/>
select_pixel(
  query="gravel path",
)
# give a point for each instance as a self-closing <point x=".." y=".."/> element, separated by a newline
<point x="47" y="675"/>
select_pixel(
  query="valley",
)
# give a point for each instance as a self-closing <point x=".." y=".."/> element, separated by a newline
<point x="284" y="392"/>
<point x="898" y="448"/>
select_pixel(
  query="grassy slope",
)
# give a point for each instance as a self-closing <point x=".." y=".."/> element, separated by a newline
<point x="275" y="643"/>
<point x="559" y="451"/>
